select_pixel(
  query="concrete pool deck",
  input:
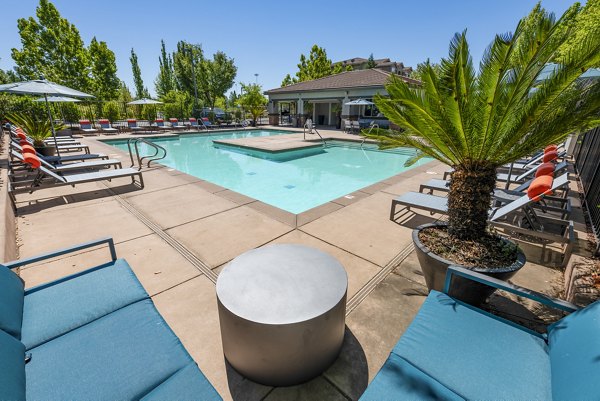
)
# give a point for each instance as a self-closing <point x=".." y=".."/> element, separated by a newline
<point x="179" y="231"/>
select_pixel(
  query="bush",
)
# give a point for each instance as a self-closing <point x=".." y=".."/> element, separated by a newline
<point x="111" y="111"/>
<point x="71" y="112"/>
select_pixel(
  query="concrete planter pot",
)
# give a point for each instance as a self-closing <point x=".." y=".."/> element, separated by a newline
<point x="434" y="270"/>
<point x="48" y="150"/>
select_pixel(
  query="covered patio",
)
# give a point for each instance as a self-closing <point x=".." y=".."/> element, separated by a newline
<point x="324" y="100"/>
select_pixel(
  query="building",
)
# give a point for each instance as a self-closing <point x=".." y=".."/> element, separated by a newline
<point x="324" y="99"/>
<point x="385" y="64"/>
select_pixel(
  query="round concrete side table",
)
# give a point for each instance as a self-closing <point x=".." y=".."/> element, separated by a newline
<point x="282" y="313"/>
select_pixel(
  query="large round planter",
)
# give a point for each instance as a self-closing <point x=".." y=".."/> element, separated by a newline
<point x="434" y="270"/>
<point x="47" y="150"/>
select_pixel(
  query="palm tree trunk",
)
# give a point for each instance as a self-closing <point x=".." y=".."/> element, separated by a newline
<point x="469" y="200"/>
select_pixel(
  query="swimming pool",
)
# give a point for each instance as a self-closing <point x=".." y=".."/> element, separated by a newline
<point x="295" y="185"/>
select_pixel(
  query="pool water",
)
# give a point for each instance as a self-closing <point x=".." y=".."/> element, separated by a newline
<point x="294" y="185"/>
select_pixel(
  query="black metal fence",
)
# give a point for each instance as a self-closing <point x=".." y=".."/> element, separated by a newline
<point x="587" y="163"/>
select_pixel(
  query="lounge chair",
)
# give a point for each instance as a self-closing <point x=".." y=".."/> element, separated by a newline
<point x="527" y="175"/>
<point x="64" y="147"/>
<point x="68" y="167"/>
<point x="133" y="126"/>
<point x="106" y="128"/>
<point x="455" y="351"/>
<point x="515" y="216"/>
<point x="46" y="178"/>
<point x="436" y="184"/>
<point x="160" y="124"/>
<point x="95" y="334"/>
<point x="175" y="124"/>
<point x="206" y="123"/>
<point x="86" y="127"/>
<point x="347" y="126"/>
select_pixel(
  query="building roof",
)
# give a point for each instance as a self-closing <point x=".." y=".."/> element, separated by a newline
<point x="346" y="80"/>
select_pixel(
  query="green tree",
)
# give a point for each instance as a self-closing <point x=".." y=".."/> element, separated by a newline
<point x="478" y="120"/>
<point x="177" y="104"/>
<point x="52" y="46"/>
<point x="252" y="100"/>
<point x="111" y="111"/>
<point x="8" y="76"/>
<point x="124" y="93"/>
<point x="104" y="80"/>
<point x="422" y="68"/>
<point x="165" y="81"/>
<point x="183" y="58"/>
<point x="140" y="90"/>
<point x="288" y="80"/>
<point x="217" y="76"/>
<point x="315" y="66"/>
<point x="371" y="62"/>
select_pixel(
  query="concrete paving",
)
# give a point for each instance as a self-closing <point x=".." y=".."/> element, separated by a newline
<point x="176" y="211"/>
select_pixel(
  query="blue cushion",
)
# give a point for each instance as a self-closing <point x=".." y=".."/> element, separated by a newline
<point x="188" y="384"/>
<point x="53" y="309"/>
<point x="575" y="355"/>
<point x="12" y="368"/>
<point x="11" y="302"/>
<point x="474" y="354"/>
<point x="121" y="356"/>
<point x="399" y="380"/>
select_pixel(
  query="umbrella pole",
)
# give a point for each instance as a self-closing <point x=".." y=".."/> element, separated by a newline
<point x="52" y="125"/>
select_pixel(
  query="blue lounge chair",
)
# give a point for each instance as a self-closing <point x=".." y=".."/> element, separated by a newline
<point x="91" y="335"/>
<point x="455" y="351"/>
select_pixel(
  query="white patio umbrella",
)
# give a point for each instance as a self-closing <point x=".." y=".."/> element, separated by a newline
<point x="59" y="99"/>
<point x="145" y="101"/>
<point x="359" y="102"/>
<point x="43" y="87"/>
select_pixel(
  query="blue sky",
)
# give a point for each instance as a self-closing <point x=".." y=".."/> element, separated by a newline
<point x="267" y="37"/>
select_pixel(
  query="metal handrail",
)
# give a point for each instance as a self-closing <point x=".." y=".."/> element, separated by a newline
<point x="371" y="126"/>
<point x="150" y="158"/>
<point x="312" y="130"/>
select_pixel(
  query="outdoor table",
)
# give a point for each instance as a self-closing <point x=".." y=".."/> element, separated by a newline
<point x="282" y="313"/>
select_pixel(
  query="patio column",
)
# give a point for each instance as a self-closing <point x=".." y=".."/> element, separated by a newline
<point x="345" y="110"/>
<point x="301" y="116"/>
<point x="273" y="113"/>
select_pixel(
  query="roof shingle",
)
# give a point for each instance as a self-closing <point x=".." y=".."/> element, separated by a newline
<point x="349" y="79"/>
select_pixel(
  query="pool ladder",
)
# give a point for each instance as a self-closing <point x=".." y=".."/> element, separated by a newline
<point x="312" y="130"/>
<point x="132" y="145"/>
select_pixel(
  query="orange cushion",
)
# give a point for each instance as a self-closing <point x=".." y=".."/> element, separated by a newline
<point x="21" y="135"/>
<point x="131" y="121"/>
<point x="550" y="156"/>
<point x="32" y="160"/>
<point x="173" y="120"/>
<point x="84" y="121"/>
<point x="23" y="142"/>
<point x="103" y="121"/>
<point x="540" y="187"/>
<point x="159" y="120"/>
<point x="545" y="169"/>
<point x="550" y="148"/>
<point x="27" y="149"/>
<point x="192" y="119"/>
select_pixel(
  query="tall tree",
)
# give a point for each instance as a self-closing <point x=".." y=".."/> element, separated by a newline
<point x="252" y="100"/>
<point x="371" y="62"/>
<point x="52" y="46"/>
<point x="140" y="90"/>
<point x="423" y="67"/>
<point x="165" y="81"/>
<point x="315" y="66"/>
<point x="217" y="77"/>
<point x="287" y="81"/>
<point x="104" y="80"/>
<point x="185" y="56"/>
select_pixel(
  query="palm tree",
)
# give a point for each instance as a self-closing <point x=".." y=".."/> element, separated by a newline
<point x="478" y="121"/>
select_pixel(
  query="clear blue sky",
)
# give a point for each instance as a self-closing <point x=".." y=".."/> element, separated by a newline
<point x="268" y="37"/>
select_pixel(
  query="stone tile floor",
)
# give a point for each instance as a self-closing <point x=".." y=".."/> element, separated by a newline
<point x="215" y="225"/>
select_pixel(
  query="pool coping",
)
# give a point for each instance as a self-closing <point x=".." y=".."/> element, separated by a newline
<point x="291" y="219"/>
